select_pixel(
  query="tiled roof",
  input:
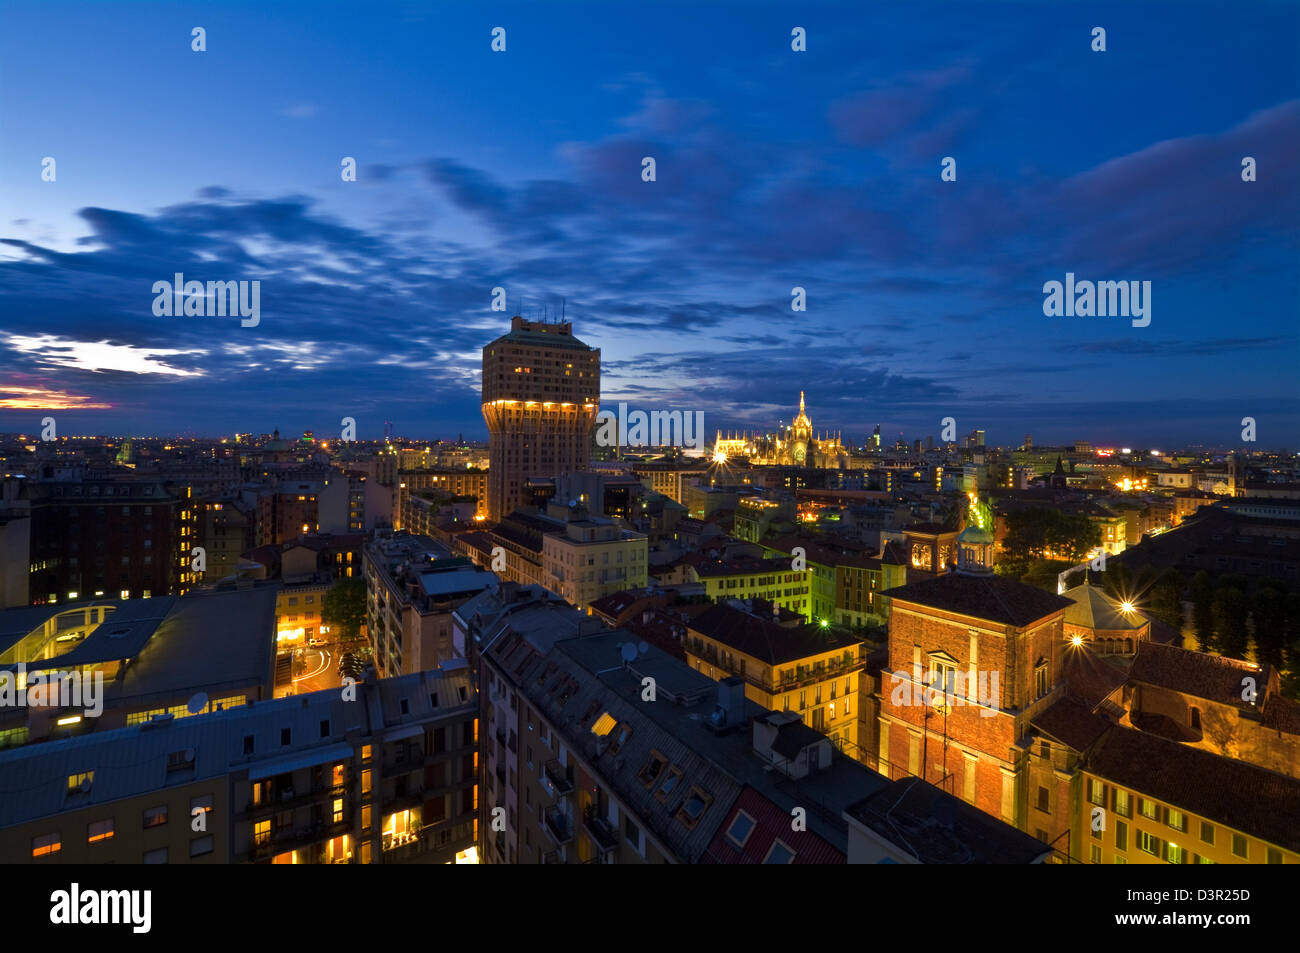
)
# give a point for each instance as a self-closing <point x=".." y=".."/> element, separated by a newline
<point x="1094" y="609"/>
<point x="1072" y="722"/>
<point x="1199" y="674"/>
<point x="767" y="641"/>
<point x="1282" y="714"/>
<point x="1234" y="793"/>
<point x="995" y="598"/>
<point x="1088" y="677"/>
<point x="771" y="821"/>
<point x="941" y="829"/>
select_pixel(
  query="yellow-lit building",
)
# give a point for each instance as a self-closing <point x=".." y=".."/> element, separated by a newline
<point x="1160" y="801"/>
<point x="298" y="614"/>
<point x="772" y="580"/>
<point x="786" y="666"/>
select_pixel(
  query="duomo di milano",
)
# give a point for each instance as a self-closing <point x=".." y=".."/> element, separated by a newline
<point x="793" y="446"/>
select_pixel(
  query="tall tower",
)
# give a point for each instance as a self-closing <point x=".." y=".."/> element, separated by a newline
<point x="800" y="435"/>
<point x="541" y="387"/>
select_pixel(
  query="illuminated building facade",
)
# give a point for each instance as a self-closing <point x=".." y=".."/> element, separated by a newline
<point x="795" y="445"/>
<point x="389" y="776"/>
<point x="786" y="666"/>
<point x="541" y="387"/>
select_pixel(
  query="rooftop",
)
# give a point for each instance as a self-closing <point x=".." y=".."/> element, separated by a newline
<point x="1202" y="783"/>
<point x="995" y="598"/>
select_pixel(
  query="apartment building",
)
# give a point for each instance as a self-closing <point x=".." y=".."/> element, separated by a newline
<point x="387" y="776"/>
<point x="599" y="750"/>
<point x="413" y="585"/>
<point x="786" y="666"/>
<point x="1175" y="804"/>
<point x="154" y="657"/>
<point x="773" y="580"/>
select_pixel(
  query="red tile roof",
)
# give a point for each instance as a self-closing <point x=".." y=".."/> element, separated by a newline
<point x="995" y="598"/>
<point x="1239" y="795"/>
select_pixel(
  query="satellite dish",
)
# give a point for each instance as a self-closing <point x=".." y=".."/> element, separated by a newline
<point x="189" y="755"/>
<point x="84" y="786"/>
<point x="642" y="648"/>
<point x="628" y="651"/>
<point x="197" y="704"/>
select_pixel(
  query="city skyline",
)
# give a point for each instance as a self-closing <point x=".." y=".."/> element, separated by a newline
<point x="775" y="170"/>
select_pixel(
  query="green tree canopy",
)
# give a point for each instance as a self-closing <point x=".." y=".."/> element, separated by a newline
<point x="344" y="608"/>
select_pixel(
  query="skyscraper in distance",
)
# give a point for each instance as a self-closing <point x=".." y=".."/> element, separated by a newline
<point x="541" y="389"/>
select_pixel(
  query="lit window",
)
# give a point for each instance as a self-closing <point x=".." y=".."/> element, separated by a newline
<point x="98" y="831"/>
<point x="46" y="844"/>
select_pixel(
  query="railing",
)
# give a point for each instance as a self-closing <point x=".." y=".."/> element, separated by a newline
<point x="598" y="829"/>
<point x="284" y="801"/>
<point x="559" y="778"/>
<point x="295" y="838"/>
<point x="558" y="827"/>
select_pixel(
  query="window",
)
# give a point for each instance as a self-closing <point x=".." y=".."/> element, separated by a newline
<point x="200" y="846"/>
<point x="1148" y="844"/>
<point x="669" y="784"/>
<point x="45" y="845"/>
<point x="325" y="728"/>
<point x="286" y="736"/>
<point x="158" y="856"/>
<point x="1042" y="798"/>
<point x="779" y="854"/>
<point x="1121" y="835"/>
<point x="1207" y="832"/>
<point x="1175" y="854"/>
<point x="631" y="832"/>
<point x="1239" y="846"/>
<point x="248" y="744"/>
<point x="740" y="829"/>
<point x="696" y="803"/>
<point x="1177" y="820"/>
<point x="262" y="833"/>
<point x="77" y="783"/>
<point x="652" y="768"/>
<point x="1148" y="808"/>
<point x="1122" y="806"/>
<point x="155" y="816"/>
<point x="1274" y="856"/>
<point x="1095" y="854"/>
<point x="1096" y="792"/>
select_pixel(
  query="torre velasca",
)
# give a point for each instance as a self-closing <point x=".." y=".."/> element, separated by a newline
<point x="541" y="388"/>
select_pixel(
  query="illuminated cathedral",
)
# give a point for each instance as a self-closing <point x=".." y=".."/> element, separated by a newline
<point x="795" y="445"/>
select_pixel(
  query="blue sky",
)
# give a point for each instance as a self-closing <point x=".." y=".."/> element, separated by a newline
<point x="775" y="169"/>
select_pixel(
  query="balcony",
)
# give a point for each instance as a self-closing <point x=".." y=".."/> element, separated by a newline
<point x="598" y="829"/>
<point x="558" y="827"/>
<point x="297" y="838"/>
<point x="287" y="799"/>
<point x="558" y="777"/>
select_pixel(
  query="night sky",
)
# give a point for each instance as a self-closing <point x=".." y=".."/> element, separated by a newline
<point x="775" y="169"/>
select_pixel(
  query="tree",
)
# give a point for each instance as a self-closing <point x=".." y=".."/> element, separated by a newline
<point x="344" y="608"/>
<point x="1166" y="599"/>
<point x="1228" y="611"/>
<point x="1032" y="531"/>
<point x="1202" y="597"/>
<point x="1268" y="617"/>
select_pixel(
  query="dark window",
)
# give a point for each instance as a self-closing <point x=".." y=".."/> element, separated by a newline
<point x="286" y="736"/>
